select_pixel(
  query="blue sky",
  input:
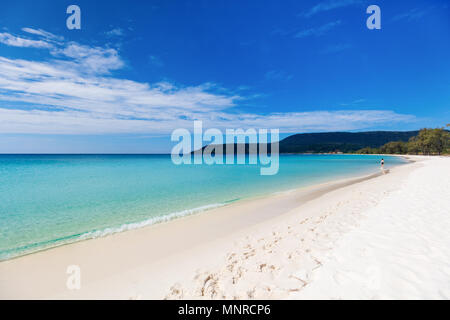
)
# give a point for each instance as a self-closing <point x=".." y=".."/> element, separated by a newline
<point x="138" y="70"/>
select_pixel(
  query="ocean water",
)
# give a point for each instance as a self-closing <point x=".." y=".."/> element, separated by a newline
<point x="49" y="200"/>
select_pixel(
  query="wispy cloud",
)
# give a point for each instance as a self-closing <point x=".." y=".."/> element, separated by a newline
<point x="412" y="14"/>
<point x="72" y="122"/>
<point x="278" y="75"/>
<point x="94" y="60"/>
<point x="318" y="31"/>
<point x="354" y="102"/>
<point x="329" y="5"/>
<point x="74" y="91"/>
<point x="11" y="40"/>
<point x="43" y="33"/>
<point x="155" y="61"/>
<point x="116" y="32"/>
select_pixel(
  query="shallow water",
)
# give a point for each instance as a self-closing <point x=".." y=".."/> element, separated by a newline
<point x="48" y="200"/>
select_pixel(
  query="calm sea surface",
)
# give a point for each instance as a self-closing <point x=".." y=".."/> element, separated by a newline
<point x="48" y="200"/>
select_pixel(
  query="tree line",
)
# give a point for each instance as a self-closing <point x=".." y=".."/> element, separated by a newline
<point x="427" y="142"/>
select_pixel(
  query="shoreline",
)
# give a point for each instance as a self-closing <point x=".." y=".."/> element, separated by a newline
<point x="130" y="226"/>
<point x="102" y="259"/>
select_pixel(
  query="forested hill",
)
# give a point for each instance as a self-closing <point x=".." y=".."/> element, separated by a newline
<point x="346" y="142"/>
<point x="341" y="141"/>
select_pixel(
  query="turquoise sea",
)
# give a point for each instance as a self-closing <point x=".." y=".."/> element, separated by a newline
<point x="49" y="200"/>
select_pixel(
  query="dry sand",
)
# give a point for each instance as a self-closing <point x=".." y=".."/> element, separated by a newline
<point x="376" y="237"/>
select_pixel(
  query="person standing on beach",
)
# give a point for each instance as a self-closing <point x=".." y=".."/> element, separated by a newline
<point x="382" y="164"/>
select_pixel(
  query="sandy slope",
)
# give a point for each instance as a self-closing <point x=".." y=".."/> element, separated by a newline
<point x="401" y="250"/>
<point x="383" y="238"/>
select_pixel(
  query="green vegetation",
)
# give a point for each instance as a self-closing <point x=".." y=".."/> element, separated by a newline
<point x="427" y="142"/>
<point x="345" y="142"/>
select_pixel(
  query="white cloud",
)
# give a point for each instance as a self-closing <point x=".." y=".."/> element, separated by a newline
<point x="73" y="122"/>
<point x="413" y="14"/>
<point x="81" y="57"/>
<point x="42" y="33"/>
<point x="319" y="31"/>
<point x="90" y="59"/>
<point x="11" y="40"/>
<point x="54" y="85"/>
<point x="115" y="32"/>
<point x="329" y="5"/>
<point x="74" y="92"/>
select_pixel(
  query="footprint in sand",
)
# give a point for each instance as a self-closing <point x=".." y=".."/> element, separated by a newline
<point x="175" y="292"/>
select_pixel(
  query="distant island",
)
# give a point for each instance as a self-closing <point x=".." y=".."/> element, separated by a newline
<point x="345" y="142"/>
<point x="424" y="141"/>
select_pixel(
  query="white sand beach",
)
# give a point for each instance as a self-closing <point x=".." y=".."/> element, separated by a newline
<point x="379" y="237"/>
